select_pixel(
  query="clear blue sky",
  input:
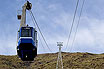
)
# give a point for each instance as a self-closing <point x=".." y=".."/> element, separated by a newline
<point x="54" y="18"/>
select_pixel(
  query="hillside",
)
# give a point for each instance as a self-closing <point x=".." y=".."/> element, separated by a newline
<point x="48" y="61"/>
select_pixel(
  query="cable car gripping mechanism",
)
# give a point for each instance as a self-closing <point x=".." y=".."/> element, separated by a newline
<point x="28" y="5"/>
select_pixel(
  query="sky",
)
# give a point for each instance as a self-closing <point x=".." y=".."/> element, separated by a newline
<point x="54" y="18"/>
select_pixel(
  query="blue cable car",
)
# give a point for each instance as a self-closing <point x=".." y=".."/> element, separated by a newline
<point x="27" y="43"/>
<point x="27" y="37"/>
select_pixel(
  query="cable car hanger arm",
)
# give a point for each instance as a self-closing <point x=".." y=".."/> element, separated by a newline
<point x="26" y="6"/>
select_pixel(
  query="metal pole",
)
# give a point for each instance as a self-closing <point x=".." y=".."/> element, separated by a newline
<point x="26" y="6"/>
<point x="59" y="64"/>
<point x="23" y="18"/>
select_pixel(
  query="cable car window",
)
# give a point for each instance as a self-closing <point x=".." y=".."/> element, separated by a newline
<point x="34" y="34"/>
<point x="26" y="33"/>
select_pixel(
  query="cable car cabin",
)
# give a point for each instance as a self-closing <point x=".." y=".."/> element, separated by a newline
<point x="27" y="43"/>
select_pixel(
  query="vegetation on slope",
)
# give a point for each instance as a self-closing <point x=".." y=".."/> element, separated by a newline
<point x="48" y="61"/>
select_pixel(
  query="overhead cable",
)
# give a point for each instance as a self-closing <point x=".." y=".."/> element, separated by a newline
<point x="38" y="35"/>
<point x="77" y="25"/>
<point x="41" y="44"/>
<point x="35" y="22"/>
<point x="72" y="24"/>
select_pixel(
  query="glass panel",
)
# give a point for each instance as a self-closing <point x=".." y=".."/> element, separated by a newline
<point x="29" y="32"/>
<point x="26" y="33"/>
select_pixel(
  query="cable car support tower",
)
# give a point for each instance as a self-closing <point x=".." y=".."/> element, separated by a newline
<point x="59" y="64"/>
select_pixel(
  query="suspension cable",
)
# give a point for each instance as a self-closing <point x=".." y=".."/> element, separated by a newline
<point x="72" y="24"/>
<point x="77" y="25"/>
<point x="35" y="22"/>
<point x="38" y="35"/>
<point x="42" y="44"/>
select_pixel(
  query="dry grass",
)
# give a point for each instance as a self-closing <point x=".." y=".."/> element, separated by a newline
<point x="48" y="61"/>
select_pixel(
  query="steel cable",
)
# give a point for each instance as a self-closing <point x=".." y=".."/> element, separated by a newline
<point x="77" y="25"/>
<point x="72" y="24"/>
<point x="35" y="22"/>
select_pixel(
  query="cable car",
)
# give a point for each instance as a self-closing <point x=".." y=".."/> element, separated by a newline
<point x="27" y="43"/>
<point x="27" y="37"/>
